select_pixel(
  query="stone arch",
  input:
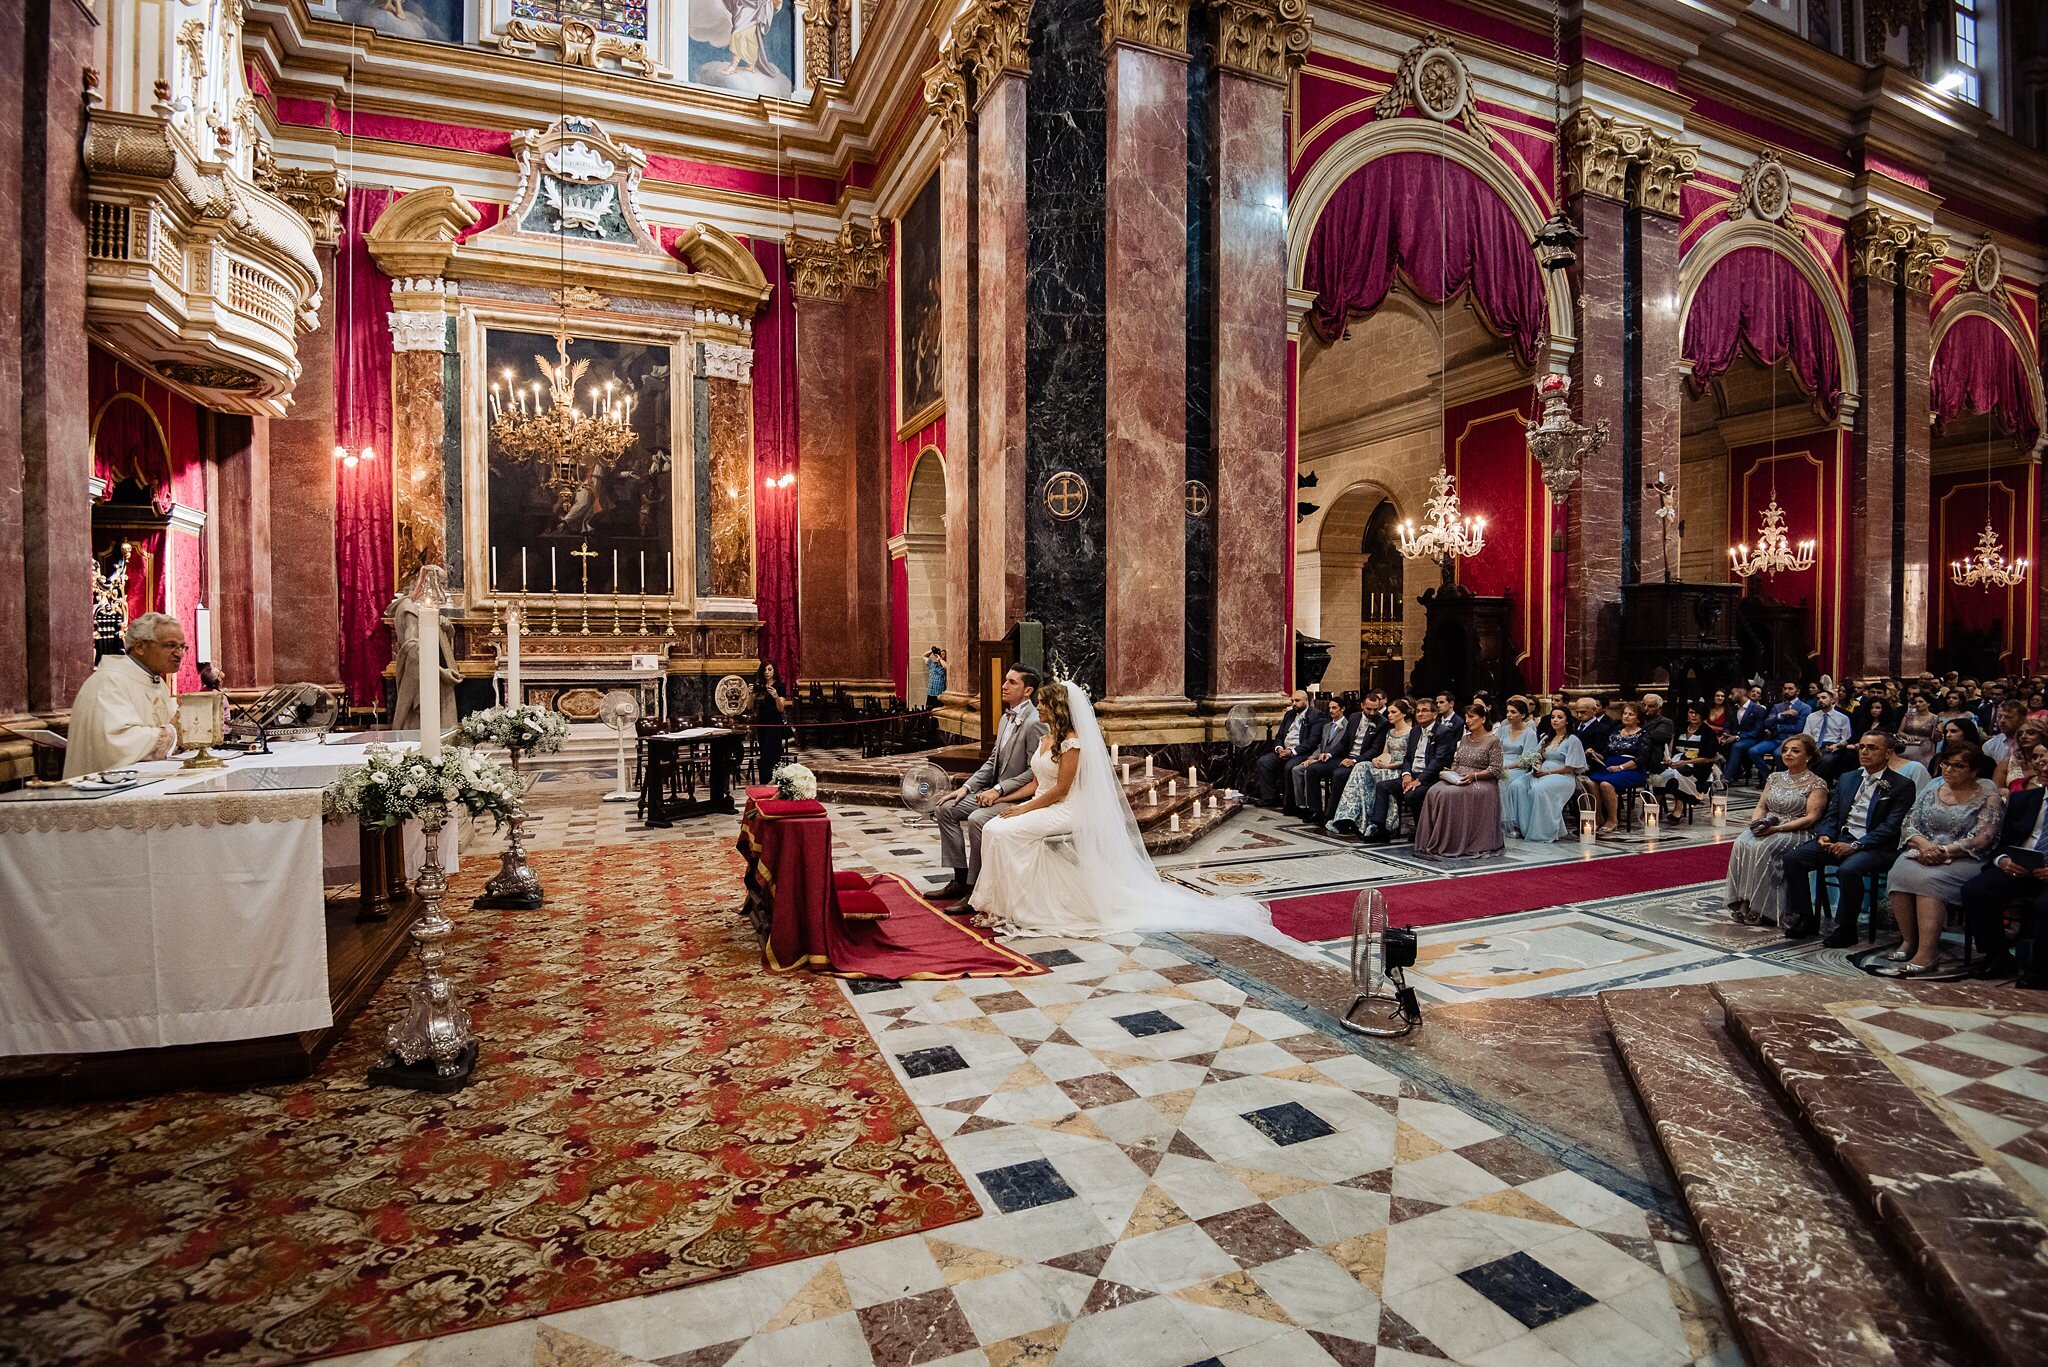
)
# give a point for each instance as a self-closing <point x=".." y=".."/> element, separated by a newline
<point x="1330" y="567"/>
<point x="1385" y="137"/>
<point x="1983" y="306"/>
<point x="924" y="566"/>
<point x="1724" y="238"/>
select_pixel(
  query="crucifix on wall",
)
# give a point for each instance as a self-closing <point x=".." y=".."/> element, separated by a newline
<point x="1666" y="515"/>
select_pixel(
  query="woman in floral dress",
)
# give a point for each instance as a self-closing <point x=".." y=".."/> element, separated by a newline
<point x="1358" y="789"/>
<point x="1793" y="801"/>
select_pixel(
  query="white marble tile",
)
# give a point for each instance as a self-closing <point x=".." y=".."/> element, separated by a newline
<point x="1454" y="1317"/>
<point x="1312" y="1289"/>
<point x="1328" y="1215"/>
<point x="1600" y="1336"/>
<point x="1168" y="1259"/>
<point x="1021" y="1300"/>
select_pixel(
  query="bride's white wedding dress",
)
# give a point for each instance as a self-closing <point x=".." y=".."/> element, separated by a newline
<point x="1079" y="867"/>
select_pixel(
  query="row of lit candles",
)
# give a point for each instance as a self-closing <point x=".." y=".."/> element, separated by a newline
<point x="554" y="576"/>
<point x="615" y="409"/>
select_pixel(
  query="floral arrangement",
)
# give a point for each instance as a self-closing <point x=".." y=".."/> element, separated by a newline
<point x="524" y="727"/>
<point x="1531" y="761"/>
<point x="794" y="782"/>
<point x="395" y="786"/>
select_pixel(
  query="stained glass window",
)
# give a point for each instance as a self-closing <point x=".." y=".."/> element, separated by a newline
<point x="625" y="17"/>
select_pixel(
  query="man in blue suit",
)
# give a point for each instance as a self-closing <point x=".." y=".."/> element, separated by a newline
<point x="1423" y="758"/>
<point x="1787" y="719"/>
<point x="1747" y="718"/>
<point x="1859" y="833"/>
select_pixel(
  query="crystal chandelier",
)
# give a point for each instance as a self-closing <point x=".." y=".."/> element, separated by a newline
<point x="1986" y="567"/>
<point x="1774" y="553"/>
<point x="553" y="431"/>
<point x="1557" y="443"/>
<point x="1446" y="534"/>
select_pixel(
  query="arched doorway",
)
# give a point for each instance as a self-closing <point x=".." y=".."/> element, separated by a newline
<point x="924" y="564"/>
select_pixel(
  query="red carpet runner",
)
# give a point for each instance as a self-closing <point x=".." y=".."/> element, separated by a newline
<point x="1441" y="901"/>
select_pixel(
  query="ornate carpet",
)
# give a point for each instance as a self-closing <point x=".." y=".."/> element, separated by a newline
<point x="651" y="1109"/>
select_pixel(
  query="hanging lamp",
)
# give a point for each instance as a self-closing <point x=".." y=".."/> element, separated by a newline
<point x="1775" y="552"/>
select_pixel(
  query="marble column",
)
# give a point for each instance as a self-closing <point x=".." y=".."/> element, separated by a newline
<point x="13" y="572"/>
<point x="1146" y="304"/>
<point x="243" y="606"/>
<point x="1255" y="47"/>
<point x="725" y="558"/>
<point x="302" y="508"/>
<point x="1913" y="570"/>
<point x="1661" y="170"/>
<point x="1001" y="491"/>
<point x="959" y="325"/>
<point x="56" y="458"/>
<point x="1592" y="624"/>
<point x="419" y="485"/>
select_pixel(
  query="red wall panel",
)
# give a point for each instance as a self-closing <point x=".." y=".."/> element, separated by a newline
<point x="1485" y="447"/>
<point x="2009" y="495"/>
<point x="1807" y="475"/>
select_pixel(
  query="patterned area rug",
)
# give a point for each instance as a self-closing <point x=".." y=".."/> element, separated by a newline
<point x="651" y="1109"/>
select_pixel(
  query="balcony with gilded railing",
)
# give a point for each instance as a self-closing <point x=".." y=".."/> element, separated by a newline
<point x="194" y="270"/>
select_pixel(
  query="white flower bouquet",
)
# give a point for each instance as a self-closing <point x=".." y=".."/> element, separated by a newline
<point x="794" y="782"/>
<point x="529" y="729"/>
<point x="395" y="786"/>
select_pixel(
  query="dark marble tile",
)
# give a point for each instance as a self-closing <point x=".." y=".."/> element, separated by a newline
<point x="1398" y="1333"/>
<point x="1954" y="1061"/>
<point x="1510" y="1160"/>
<point x="861" y="987"/>
<point x="1288" y="1123"/>
<point x="1098" y="1089"/>
<point x="1144" y="1023"/>
<point x="931" y="1062"/>
<point x="921" y="1328"/>
<point x="907" y="852"/>
<point x="1345" y="1352"/>
<point x="1022" y="1186"/>
<point x="1055" y="958"/>
<point x="1254" y="1235"/>
<point x="1526" y="1289"/>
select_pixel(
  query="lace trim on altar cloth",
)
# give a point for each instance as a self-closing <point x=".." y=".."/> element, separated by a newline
<point x="160" y="813"/>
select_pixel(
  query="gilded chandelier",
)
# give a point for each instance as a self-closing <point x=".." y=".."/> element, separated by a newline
<point x="1986" y="567"/>
<point x="568" y="440"/>
<point x="1774" y="553"/>
<point x="1557" y="443"/>
<point x="1445" y="534"/>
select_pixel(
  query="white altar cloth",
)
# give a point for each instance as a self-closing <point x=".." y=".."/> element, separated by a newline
<point x="151" y="919"/>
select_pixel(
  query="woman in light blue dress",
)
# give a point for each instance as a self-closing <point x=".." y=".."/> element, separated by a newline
<point x="1537" y="798"/>
<point x="1358" y="789"/>
<point x="1518" y="742"/>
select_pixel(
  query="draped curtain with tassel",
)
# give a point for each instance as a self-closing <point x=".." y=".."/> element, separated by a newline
<point x="1755" y="300"/>
<point x="1435" y="224"/>
<point x="362" y="405"/>
<point x="1979" y="370"/>
<point x="774" y="456"/>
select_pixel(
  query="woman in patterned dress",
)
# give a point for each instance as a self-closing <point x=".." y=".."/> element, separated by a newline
<point x="1461" y="815"/>
<point x="1358" y="789"/>
<point x="1917" y="730"/>
<point x="1952" y="823"/>
<point x="1792" y="803"/>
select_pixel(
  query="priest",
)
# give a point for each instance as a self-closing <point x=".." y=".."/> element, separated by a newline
<point x="124" y="712"/>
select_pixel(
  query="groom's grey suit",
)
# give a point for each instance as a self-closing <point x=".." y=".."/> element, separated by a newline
<point x="1007" y="768"/>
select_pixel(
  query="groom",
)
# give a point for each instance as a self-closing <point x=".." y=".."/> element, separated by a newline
<point x="990" y="788"/>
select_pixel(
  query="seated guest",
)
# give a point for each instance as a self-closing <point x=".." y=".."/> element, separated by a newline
<point x="1911" y="769"/>
<point x="1693" y="758"/>
<point x="2020" y="870"/>
<point x="1829" y="728"/>
<point x="1461" y="813"/>
<point x="1874" y="711"/>
<point x="1384" y="763"/>
<point x="1533" y="799"/>
<point x="1300" y="728"/>
<point x="1364" y="730"/>
<point x="1521" y="741"/>
<point x="1792" y="804"/>
<point x="1717" y="711"/>
<point x="1787" y="718"/>
<point x="124" y="712"/>
<point x="1342" y="712"/>
<point x="1918" y="729"/>
<point x="1421" y="763"/>
<point x="1956" y="733"/>
<point x="1747" y="718"/>
<point x="2037" y="705"/>
<point x="2004" y="733"/>
<point x="1952" y="824"/>
<point x="1632" y="756"/>
<point x="1661" y="729"/>
<point x="1592" y="725"/>
<point x="1860" y="833"/>
<point x="2011" y="772"/>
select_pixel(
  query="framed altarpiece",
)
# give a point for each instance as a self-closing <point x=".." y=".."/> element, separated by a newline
<point x="601" y="480"/>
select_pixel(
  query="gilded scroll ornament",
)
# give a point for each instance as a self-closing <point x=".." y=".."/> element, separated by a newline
<point x="1161" y="24"/>
<point x="1665" y="166"/>
<point x="1434" y="80"/>
<point x="826" y="269"/>
<point x="993" y="38"/>
<point x="1598" y="151"/>
<point x="945" y="96"/>
<point x="1766" y="191"/>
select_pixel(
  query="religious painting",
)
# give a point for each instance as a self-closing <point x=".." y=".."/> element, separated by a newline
<point x="747" y="46"/>
<point x="590" y="512"/>
<point x="920" y="369"/>
<point x="436" y="21"/>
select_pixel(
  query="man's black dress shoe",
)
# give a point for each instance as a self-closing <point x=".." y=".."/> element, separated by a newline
<point x="1994" y="966"/>
<point x="952" y="892"/>
<point x="1841" y="937"/>
<point x="1799" y="930"/>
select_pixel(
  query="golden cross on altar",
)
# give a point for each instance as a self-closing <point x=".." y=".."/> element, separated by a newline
<point x="586" y="555"/>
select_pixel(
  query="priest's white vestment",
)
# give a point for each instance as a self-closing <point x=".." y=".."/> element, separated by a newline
<point x="122" y="714"/>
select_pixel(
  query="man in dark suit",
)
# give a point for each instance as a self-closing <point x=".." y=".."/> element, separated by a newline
<point x="1593" y="727"/>
<point x="1423" y="759"/>
<point x="1365" y="741"/>
<point x="1301" y="729"/>
<point x="1986" y="896"/>
<point x="1859" y="833"/>
<point x="1747" y="723"/>
<point x="1340" y="709"/>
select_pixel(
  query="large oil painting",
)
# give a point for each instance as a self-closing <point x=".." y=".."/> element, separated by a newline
<point x="578" y="525"/>
<point x="437" y="21"/>
<point x="747" y="46"/>
<point x="920" y="368"/>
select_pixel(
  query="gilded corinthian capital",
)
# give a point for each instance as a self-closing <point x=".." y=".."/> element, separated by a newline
<point x="858" y="259"/>
<point x="1666" y="164"/>
<point x="993" y="38"/>
<point x="1161" y="24"/>
<point x="945" y="95"/>
<point x="1877" y="238"/>
<point x="1262" y="38"/>
<point x="1598" y="150"/>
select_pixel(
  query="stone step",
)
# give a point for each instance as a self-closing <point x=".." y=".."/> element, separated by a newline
<point x="1975" y="1243"/>
<point x="1807" y="1277"/>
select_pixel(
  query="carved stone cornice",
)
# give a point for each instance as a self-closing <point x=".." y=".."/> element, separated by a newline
<point x="1886" y="246"/>
<point x="416" y="236"/>
<point x="1665" y="166"/>
<point x="993" y="39"/>
<point x="729" y="361"/>
<point x="945" y="96"/>
<point x="1161" y="24"/>
<point x="857" y="259"/>
<point x="318" y="196"/>
<point x="418" y="330"/>
<point x="1598" y="151"/>
<point x="1263" y="39"/>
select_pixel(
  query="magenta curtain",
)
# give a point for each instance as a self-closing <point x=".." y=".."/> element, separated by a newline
<point x="128" y="446"/>
<point x="362" y="406"/>
<point x="1436" y="225"/>
<point x="774" y="456"/>
<point x="1755" y="300"/>
<point x="1979" y="370"/>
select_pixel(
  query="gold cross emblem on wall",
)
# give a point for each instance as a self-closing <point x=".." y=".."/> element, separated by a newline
<point x="1066" y="494"/>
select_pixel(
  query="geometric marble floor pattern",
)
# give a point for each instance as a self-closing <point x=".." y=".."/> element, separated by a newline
<point x="1173" y="1174"/>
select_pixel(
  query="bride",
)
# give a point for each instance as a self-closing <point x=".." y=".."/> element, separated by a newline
<point x="1101" y="880"/>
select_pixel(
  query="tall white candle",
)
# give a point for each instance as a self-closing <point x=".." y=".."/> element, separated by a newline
<point x="615" y="569"/>
<point x="203" y="630"/>
<point x="671" y="572"/>
<point x="514" y="624"/>
<point x="1148" y="766"/>
<point x="643" y="573"/>
<point x="1192" y="780"/>
<point x="554" y="575"/>
<point x="429" y="672"/>
<point x="494" y="567"/>
<point x="522" y="569"/>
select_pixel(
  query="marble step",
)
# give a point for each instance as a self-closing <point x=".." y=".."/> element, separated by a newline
<point x="1974" y="1241"/>
<point x="1808" y="1279"/>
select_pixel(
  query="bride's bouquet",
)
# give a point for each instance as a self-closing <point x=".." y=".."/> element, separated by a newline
<point x="793" y="782"/>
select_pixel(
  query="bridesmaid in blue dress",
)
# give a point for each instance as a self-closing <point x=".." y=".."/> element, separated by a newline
<point x="1540" y="795"/>
<point x="1518" y="742"/>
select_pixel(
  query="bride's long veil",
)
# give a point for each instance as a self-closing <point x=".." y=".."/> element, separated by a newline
<point x="1128" y="892"/>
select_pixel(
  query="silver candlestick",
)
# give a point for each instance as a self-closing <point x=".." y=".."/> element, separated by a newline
<point x="516" y="886"/>
<point x="430" y="1048"/>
